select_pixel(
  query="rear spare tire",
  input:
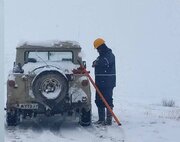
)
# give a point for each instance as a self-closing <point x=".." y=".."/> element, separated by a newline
<point x="50" y="86"/>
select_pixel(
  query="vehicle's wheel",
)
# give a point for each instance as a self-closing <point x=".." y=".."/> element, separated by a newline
<point x="49" y="86"/>
<point x="85" y="118"/>
<point x="12" y="118"/>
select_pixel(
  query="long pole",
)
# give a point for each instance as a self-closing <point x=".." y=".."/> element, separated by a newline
<point x="100" y="94"/>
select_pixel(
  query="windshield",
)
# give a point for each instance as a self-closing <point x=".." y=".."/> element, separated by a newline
<point x="49" y="56"/>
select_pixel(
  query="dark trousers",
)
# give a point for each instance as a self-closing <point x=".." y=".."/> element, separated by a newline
<point x="107" y="93"/>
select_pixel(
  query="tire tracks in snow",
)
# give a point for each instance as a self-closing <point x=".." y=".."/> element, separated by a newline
<point x="27" y="128"/>
<point x="63" y="130"/>
<point x="106" y="133"/>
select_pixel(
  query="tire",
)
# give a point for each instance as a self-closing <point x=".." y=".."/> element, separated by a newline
<point x="85" y="118"/>
<point x="50" y="87"/>
<point x="12" y="118"/>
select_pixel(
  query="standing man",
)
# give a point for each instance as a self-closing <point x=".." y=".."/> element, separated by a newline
<point x="105" y="79"/>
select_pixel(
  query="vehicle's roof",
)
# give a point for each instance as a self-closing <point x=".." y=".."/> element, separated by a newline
<point x="49" y="44"/>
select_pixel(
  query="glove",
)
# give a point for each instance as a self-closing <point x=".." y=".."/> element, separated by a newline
<point x="94" y="64"/>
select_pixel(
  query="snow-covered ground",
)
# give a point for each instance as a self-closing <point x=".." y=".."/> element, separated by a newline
<point x="141" y="122"/>
<point x="144" y="36"/>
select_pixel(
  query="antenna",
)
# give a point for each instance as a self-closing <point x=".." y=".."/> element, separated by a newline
<point x="41" y="59"/>
<point x="78" y="33"/>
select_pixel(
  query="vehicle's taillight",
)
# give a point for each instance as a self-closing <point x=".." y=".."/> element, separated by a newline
<point x="11" y="83"/>
<point x="85" y="82"/>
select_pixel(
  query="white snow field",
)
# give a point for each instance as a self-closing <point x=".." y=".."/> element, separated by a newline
<point x="144" y="36"/>
<point x="140" y="123"/>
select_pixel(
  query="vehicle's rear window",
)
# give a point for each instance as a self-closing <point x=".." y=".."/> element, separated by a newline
<point x="50" y="56"/>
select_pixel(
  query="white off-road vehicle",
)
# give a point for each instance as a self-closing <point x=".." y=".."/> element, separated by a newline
<point x="45" y="80"/>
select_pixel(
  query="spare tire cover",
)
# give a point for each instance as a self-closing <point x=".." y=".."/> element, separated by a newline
<point x="50" y="85"/>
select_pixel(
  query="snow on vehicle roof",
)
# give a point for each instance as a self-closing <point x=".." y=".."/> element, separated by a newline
<point x="57" y="44"/>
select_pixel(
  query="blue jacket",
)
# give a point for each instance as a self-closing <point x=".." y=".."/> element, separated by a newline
<point x="105" y="70"/>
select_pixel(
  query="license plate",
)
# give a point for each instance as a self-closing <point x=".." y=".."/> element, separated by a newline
<point x="27" y="106"/>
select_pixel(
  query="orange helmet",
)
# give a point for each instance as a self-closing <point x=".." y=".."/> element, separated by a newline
<point x="98" y="42"/>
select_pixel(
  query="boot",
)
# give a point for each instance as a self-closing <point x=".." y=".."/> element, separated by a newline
<point x="101" y="114"/>
<point x="108" y="118"/>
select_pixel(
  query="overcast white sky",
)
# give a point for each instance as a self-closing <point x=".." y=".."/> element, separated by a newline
<point x="143" y="34"/>
<point x="1" y="72"/>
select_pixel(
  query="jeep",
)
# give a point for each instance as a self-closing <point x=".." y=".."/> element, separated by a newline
<point x="45" y="80"/>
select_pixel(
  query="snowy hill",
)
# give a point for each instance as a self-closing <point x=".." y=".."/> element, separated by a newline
<point x="144" y="36"/>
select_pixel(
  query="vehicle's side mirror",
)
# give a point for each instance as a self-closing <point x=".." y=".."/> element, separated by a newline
<point x="18" y="68"/>
<point x="84" y="63"/>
